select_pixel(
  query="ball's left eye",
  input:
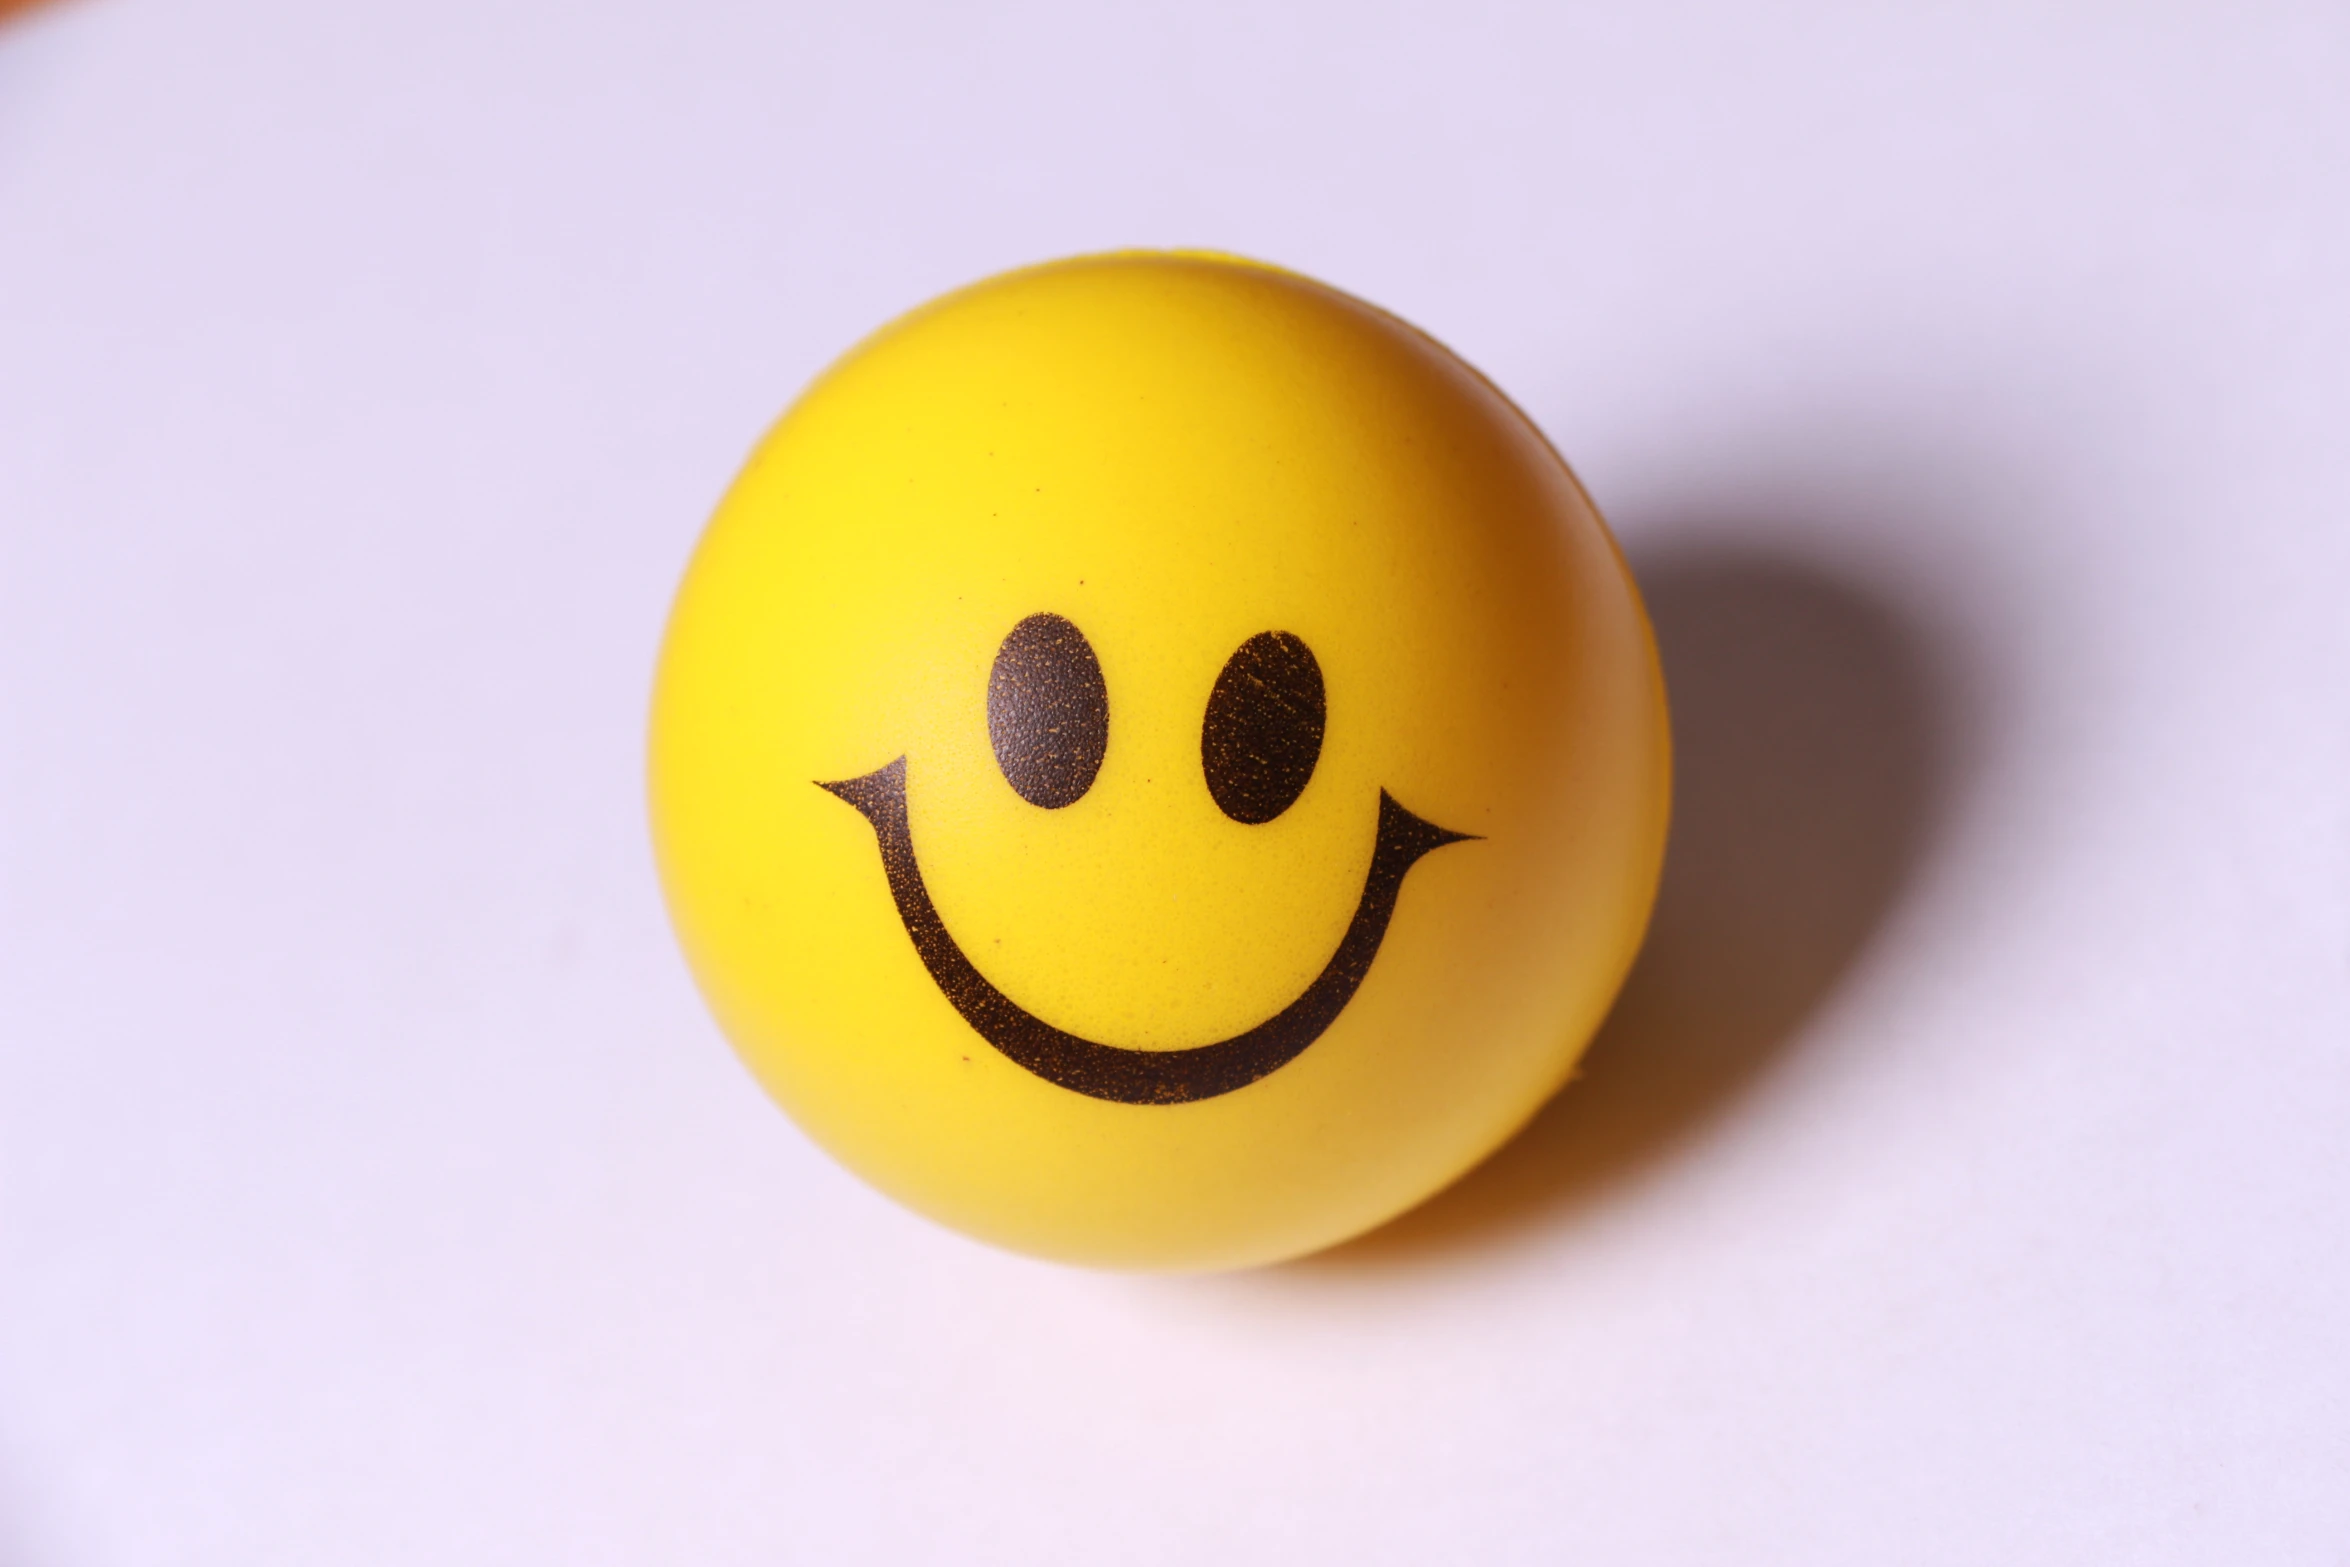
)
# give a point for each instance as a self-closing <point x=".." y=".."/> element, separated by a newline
<point x="1048" y="711"/>
<point x="1263" y="732"/>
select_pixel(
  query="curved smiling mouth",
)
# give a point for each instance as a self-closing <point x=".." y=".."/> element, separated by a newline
<point x="1139" y="1077"/>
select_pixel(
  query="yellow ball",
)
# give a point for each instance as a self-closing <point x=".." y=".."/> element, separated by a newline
<point x="1157" y="764"/>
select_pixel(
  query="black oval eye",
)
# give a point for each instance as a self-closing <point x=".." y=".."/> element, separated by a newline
<point x="1048" y="711"/>
<point x="1264" y="727"/>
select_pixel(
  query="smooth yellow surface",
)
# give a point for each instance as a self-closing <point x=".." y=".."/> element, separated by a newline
<point x="1175" y="452"/>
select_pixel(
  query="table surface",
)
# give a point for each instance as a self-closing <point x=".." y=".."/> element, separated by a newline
<point x="1964" y="1176"/>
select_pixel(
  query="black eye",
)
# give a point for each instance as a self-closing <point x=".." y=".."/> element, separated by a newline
<point x="1264" y="727"/>
<point x="1048" y="711"/>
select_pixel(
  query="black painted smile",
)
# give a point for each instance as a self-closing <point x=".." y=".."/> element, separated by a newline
<point x="1139" y="1077"/>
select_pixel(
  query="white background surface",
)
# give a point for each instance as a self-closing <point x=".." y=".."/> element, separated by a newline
<point x="1965" y="1178"/>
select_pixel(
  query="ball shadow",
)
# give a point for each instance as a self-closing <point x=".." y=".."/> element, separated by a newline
<point x="1810" y="765"/>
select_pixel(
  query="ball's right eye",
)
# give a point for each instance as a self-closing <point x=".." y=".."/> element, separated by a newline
<point x="1048" y="711"/>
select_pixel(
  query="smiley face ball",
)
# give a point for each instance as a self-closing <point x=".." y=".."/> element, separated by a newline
<point x="1157" y="764"/>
